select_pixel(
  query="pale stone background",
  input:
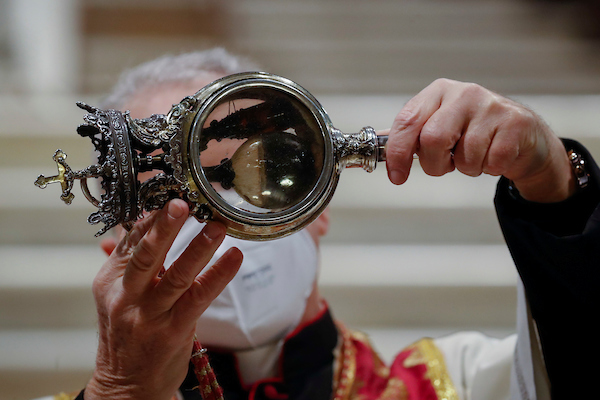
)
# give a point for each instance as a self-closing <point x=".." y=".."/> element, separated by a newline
<point x="426" y="258"/>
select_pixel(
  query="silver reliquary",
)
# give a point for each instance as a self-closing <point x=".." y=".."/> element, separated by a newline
<point x="254" y="151"/>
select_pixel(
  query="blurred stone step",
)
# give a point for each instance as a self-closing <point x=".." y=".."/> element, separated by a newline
<point x="353" y="47"/>
<point x="33" y="383"/>
<point x="319" y="20"/>
<point x="47" y="122"/>
<point x="420" y="285"/>
<point x="50" y="286"/>
<point x="520" y="65"/>
<point x="56" y="226"/>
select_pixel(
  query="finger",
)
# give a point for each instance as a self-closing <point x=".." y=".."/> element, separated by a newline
<point x="119" y="256"/>
<point x="439" y="136"/>
<point x="506" y="154"/>
<point x="459" y="134"/>
<point x="149" y="254"/>
<point x="503" y="128"/>
<point x="404" y="134"/>
<point x="129" y="239"/>
<point x="501" y="155"/>
<point x="471" y="151"/>
<point x="180" y="276"/>
<point x="207" y="287"/>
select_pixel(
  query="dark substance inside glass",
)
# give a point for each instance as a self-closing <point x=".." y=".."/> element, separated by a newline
<point x="262" y="150"/>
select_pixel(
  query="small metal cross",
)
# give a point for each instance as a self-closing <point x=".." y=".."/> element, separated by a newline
<point x="65" y="177"/>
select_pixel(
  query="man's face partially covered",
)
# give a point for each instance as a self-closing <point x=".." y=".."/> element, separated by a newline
<point x="159" y="99"/>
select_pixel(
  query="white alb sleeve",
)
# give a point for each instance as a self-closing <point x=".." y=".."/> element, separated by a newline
<point x="485" y="368"/>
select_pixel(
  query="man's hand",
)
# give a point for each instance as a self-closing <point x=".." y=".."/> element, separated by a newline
<point x="454" y="125"/>
<point x="147" y="323"/>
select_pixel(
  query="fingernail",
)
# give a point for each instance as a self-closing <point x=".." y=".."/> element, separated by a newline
<point x="396" y="177"/>
<point x="175" y="211"/>
<point x="212" y="231"/>
<point x="234" y="252"/>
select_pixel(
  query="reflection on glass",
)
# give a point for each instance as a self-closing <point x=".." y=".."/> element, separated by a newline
<point x="261" y="150"/>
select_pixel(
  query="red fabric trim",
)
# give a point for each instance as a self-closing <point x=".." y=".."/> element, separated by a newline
<point x="300" y="327"/>
<point x="405" y="378"/>
<point x="255" y="385"/>
<point x="414" y="377"/>
<point x="272" y="393"/>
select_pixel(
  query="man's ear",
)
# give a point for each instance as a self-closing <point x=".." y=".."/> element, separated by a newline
<point x="319" y="227"/>
<point x="108" y="244"/>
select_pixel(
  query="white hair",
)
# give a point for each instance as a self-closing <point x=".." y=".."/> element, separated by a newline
<point x="174" y="69"/>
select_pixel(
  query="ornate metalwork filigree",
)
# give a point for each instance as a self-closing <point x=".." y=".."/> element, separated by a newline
<point x="356" y="150"/>
<point x="157" y="191"/>
<point x="151" y="132"/>
<point x="176" y="116"/>
<point x="109" y="132"/>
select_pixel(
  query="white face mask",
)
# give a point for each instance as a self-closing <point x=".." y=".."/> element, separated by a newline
<point x="266" y="299"/>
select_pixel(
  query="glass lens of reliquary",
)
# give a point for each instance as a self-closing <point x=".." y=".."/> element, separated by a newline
<point x="261" y="150"/>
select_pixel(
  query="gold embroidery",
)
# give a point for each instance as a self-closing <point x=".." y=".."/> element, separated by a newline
<point x="347" y="384"/>
<point x="415" y="358"/>
<point x="355" y="388"/>
<point x="395" y="390"/>
<point x="345" y="380"/>
<point x="360" y="336"/>
<point x="381" y="369"/>
<point x="426" y="352"/>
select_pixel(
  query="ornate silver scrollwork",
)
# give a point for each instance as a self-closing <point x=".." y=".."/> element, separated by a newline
<point x="151" y="132"/>
<point x="175" y="118"/>
<point x="157" y="191"/>
<point x="356" y="150"/>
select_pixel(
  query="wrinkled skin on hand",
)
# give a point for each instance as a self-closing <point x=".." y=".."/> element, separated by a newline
<point x="455" y="125"/>
<point x="146" y="323"/>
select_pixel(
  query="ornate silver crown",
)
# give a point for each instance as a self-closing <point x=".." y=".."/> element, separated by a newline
<point x="123" y="145"/>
